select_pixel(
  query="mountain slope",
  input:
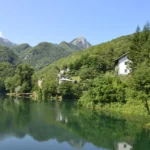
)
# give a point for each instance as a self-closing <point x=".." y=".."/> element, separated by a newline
<point x="7" y="43"/>
<point x="7" y="55"/>
<point x="19" y="49"/>
<point x="46" y="53"/>
<point x="68" y="46"/>
<point x="43" y="54"/>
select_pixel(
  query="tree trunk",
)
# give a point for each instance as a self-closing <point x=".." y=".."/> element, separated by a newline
<point x="147" y="107"/>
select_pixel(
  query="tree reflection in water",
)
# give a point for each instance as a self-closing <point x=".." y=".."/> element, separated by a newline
<point x="66" y="123"/>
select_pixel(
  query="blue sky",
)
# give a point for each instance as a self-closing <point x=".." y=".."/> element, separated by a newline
<point x="34" y="21"/>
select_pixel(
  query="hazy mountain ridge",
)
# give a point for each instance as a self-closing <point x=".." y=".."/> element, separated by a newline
<point x="7" y="43"/>
<point x="45" y="53"/>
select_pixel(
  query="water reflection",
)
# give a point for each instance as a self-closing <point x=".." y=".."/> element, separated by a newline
<point x="64" y="123"/>
<point x="123" y="146"/>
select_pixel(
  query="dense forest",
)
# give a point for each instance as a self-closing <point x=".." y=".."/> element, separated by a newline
<point x="97" y="84"/>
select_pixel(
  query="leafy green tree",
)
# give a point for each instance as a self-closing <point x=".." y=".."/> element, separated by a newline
<point x="11" y="83"/>
<point x="25" y="73"/>
<point x="69" y="90"/>
<point x="141" y="83"/>
<point x="6" y="70"/>
<point x="49" y="89"/>
<point x="140" y="47"/>
<point x="87" y="73"/>
<point x="105" y="89"/>
<point x="23" y="78"/>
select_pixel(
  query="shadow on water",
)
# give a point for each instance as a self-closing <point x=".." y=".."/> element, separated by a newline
<point x="63" y="122"/>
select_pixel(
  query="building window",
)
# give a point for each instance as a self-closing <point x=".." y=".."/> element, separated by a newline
<point x="125" y="145"/>
<point x="126" y="63"/>
<point x="125" y="70"/>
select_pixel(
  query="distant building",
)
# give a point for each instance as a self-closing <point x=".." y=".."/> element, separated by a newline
<point x="121" y="65"/>
<point x="40" y="83"/>
<point x="63" y="78"/>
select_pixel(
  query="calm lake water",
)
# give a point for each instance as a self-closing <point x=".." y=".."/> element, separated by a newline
<point x="28" y="125"/>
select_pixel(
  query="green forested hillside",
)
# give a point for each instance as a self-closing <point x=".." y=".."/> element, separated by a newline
<point x="68" y="46"/>
<point x="6" y="70"/>
<point x="8" y="61"/>
<point x="105" y="52"/>
<point x="43" y="54"/>
<point x="84" y="65"/>
<point x="7" y="55"/>
<point x="19" y="49"/>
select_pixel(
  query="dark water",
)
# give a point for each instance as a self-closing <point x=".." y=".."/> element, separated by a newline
<point x="28" y="125"/>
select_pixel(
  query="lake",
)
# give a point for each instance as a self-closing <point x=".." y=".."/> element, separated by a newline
<point x="26" y="124"/>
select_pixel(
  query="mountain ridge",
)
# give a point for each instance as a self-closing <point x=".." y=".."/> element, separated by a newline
<point x="6" y="42"/>
<point x="45" y="53"/>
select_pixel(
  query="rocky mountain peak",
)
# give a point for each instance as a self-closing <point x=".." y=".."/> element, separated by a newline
<point x="81" y="42"/>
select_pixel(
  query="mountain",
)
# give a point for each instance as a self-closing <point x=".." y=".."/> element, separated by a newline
<point x="69" y="47"/>
<point x="43" y="54"/>
<point x="19" y="49"/>
<point x="6" y="42"/>
<point x="81" y="43"/>
<point x="46" y="53"/>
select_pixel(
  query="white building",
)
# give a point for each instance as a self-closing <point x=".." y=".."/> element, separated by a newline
<point x="122" y="65"/>
<point x="40" y="83"/>
<point x="62" y="78"/>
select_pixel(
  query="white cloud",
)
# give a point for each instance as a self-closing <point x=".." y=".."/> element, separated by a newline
<point x="1" y="34"/>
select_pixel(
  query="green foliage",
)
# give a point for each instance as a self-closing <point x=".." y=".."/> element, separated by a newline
<point x="104" y="90"/>
<point x="49" y="89"/>
<point x="69" y="90"/>
<point x="43" y="54"/>
<point x="23" y="78"/>
<point x="68" y="46"/>
<point x="140" y="47"/>
<point x="25" y="73"/>
<point x="87" y="73"/>
<point x="6" y="70"/>
<point x="11" y="83"/>
<point x="19" y="49"/>
<point x="7" y="55"/>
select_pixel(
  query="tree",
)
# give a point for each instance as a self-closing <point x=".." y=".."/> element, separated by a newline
<point x="69" y="90"/>
<point x="141" y="83"/>
<point x="24" y="73"/>
<point x="140" y="47"/>
<point x="135" y="49"/>
<point x="22" y="77"/>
